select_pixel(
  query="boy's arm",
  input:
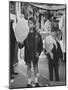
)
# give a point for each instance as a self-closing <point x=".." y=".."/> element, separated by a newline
<point x="40" y="45"/>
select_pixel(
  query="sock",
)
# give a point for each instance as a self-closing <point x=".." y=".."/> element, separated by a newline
<point x="38" y="74"/>
<point x="36" y="80"/>
<point x="29" y="81"/>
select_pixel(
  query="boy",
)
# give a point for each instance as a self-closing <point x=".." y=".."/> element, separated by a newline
<point x="33" y="47"/>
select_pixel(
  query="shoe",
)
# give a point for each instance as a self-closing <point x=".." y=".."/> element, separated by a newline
<point x="37" y="85"/>
<point x="15" y="73"/>
<point x="57" y="80"/>
<point x="11" y="77"/>
<point x="29" y="86"/>
<point x="47" y="85"/>
<point x="12" y="80"/>
<point x="51" y="79"/>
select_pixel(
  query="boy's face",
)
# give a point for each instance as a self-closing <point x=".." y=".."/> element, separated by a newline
<point x="55" y="24"/>
<point x="37" y="26"/>
<point x="30" y="24"/>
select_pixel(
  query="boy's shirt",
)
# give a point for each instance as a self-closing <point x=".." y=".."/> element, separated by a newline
<point x="33" y="44"/>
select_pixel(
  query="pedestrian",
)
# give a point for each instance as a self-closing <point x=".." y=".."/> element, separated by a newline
<point x="12" y="51"/>
<point x="54" y="53"/>
<point x="47" y="24"/>
<point x="33" y="47"/>
<point x="16" y="43"/>
<point x="62" y="26"/>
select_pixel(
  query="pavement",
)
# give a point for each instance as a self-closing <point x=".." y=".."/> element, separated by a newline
<point x="20" y="80"/>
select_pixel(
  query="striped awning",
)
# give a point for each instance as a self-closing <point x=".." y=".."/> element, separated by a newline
<point x="53" y="7"/>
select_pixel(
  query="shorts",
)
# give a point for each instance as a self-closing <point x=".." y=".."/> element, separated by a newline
<point x="34" y="61"/>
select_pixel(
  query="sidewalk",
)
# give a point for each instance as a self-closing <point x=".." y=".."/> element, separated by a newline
<point x="21" y="79"/>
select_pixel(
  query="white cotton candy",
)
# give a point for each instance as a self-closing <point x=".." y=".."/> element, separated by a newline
<point x="21" y="30"/>
<point x="49" y="41"/>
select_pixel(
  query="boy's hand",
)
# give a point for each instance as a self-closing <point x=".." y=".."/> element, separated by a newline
<point x="21" y="54"/>
<point x="20" y="44"/>
<point x="37" y="54"/>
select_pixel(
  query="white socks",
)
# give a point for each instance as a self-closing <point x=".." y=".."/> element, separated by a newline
<point x="36" y="80"/>
<point x="38" y="74"/>
<point x="29" y="81"/>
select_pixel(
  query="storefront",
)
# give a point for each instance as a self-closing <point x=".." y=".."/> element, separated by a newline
<point x="38" y="11"/>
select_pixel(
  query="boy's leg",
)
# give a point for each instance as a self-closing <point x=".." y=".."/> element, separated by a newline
<point x="36" y="72"/>
<point x="29" y="73"/>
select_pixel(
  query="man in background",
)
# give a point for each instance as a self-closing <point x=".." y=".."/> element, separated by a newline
<point x="13" y="57"/>
<point x="47" y="25"/>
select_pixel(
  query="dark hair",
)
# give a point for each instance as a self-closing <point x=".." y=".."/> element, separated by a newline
<point x="32" y="19"/>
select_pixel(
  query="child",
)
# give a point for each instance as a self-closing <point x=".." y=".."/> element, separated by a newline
<point x="33" y="47"/>
<point x="54" y="54"/>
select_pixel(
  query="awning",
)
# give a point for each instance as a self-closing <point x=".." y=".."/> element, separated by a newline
<point x="53" y="7"/>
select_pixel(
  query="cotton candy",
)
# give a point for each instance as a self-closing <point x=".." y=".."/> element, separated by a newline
<point x="21" y="30"/>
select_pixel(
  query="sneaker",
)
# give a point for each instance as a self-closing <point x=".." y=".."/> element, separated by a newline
<point x="15" y="73"/>
<point x="46" y="85"/>
<point x="29" y="86"/>
<point x="33" y="84"/>
<point x="57" y="80"/>
<point x="12" y="80"/>
<point x="37" y="85"/>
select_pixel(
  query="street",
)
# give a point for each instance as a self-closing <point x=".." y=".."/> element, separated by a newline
<point x="20" y="80"/>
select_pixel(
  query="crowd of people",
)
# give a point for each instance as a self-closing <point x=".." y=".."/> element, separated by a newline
<point x="33" y="44"/>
